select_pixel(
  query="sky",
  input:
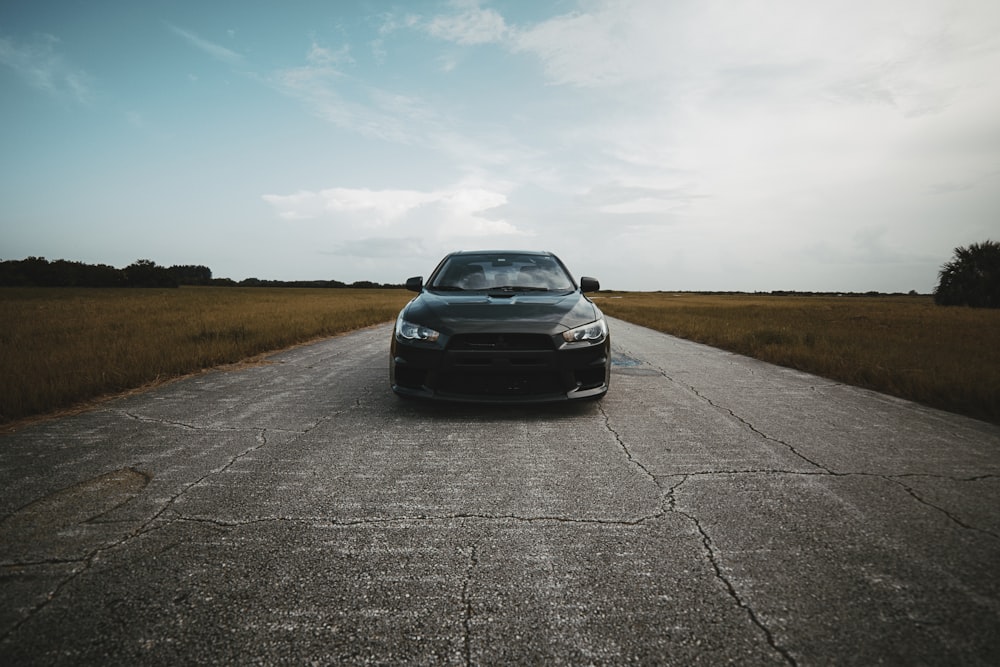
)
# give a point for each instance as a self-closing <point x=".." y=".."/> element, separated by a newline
<point x="737" y="145"/>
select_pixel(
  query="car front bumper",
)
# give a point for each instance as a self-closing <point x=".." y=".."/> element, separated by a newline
<point x="500" y="375"/>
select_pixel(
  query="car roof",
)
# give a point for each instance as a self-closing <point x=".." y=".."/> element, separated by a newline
<point x="501" y="252"/>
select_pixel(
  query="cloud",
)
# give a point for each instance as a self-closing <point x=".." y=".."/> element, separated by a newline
<point x="217" y="51"/>
<point x="696" y="125"/>
<point x="611" y="44"/>
<point x="617" y="198"/>
<point x="386" y="248"/>
<point x="854" y="51"/>
<point x="326" y="90"/>
<point x="404" y="225"/>
<point x="460" y="210"/>
<point x="950" y="187"/>
<point x="323" y="57"/>
<point x="471" y="25"/>
<point x="819" y="95"/>
<point x="38" y="62"/>
<point x="407" y="119"/>
<point x="872" y="246"/>
<point x="380" y="206"/>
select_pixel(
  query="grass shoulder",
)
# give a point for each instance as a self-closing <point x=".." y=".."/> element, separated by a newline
<point x="901" y="345"/>
<point x="63" y="347"/>
<point x="60" y="347"/>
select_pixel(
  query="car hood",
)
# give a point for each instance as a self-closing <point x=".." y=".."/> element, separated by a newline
<point x="548" y="313"/>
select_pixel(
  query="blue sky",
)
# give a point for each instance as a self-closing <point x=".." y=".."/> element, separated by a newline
<point x="837" y="145"/>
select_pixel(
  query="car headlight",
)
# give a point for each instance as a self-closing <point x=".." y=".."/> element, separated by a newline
<point x="594" y="332"/>
<point x="410" y="331"/>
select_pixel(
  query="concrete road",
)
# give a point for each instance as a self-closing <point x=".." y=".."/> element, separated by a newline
<point x="711" y="509"/>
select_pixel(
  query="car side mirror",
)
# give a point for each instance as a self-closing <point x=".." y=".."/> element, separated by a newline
<point x="589" y="284"/>
<point x="415" y="284"/>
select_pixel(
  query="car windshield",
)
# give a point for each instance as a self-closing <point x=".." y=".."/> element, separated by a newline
<point x="502" y="271"/>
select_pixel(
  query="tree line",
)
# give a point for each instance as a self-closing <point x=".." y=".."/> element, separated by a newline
<point x="40" y="272"/>
<point x="971" y="278"/>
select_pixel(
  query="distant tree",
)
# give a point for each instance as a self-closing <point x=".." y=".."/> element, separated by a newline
<point x="191" y="275"/>
<point x="77" y="274"/>
<point x="971" y="278"/>
<point x="146" y="273"/>
<point x="18" y="273"/>
<point x="39" y="272"/>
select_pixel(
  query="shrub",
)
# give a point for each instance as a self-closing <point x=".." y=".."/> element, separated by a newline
<point x="971" y="278"/>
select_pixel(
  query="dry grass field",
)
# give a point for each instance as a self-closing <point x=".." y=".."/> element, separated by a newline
<point x="63" y="346"/>
<point x="905" y="346"/>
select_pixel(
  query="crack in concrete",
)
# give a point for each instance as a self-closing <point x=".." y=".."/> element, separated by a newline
<point x="974" y="478"/>
<point x="151" y="523"/>
<point x="44" y="561"/>
<point x="666" y="496"/>
<point x="85" y="564"/>
<point x="471" y="565"/>
<point x="713" y="559"/>
<point x="821" y="470"/>
<point x="323" y="521"/>
<point x="760" y="433"/>
<point x="162" y="422"/>
<point x="260" y="441"/>
<point x="825" y="473"/>
<point x="923" y="501"/>
<point x="625" y="449"/>
<point x="209" y="429"/>
<point x="894" y="479"/>
<point x="746" y="423"/>
<point x="668" y="504"/>
<point x="87" y="561"/>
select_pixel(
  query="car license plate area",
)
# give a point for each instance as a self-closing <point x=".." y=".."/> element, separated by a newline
<point x="508" y="373"/>
<point x="499" y="342"/>
<point x="500" y="384"/>
<point x="500" y="362"/>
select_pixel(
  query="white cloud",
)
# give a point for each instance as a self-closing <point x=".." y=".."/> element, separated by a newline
<point x="323" y="57"/>
<point x="779" y="111"/>
<point x="39" y="62"/>
<point x="380" y="206"/>
<point x="612" y="44"/>
<point x="616" y="198"/>
<point x="380" y="247"/>
<point x="357" y="106"/>
<point x="471" y="25"/>
<point x="321" y="87"/>
<point x="217" y="51"/>
<point x="362" y="214"/>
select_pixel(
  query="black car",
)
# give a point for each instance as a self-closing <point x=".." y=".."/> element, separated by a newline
<point x="501" y="326"/>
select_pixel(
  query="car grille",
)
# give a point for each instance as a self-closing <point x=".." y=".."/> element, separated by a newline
<point x="500" y="342"/>
<point x="500" y="384"/>
<point x="500" y="364"/>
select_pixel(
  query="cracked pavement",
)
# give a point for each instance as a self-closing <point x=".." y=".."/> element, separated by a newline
<point x="711" y="509"/>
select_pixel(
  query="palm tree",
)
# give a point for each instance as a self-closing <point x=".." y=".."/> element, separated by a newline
<point x="971" y="278"/>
